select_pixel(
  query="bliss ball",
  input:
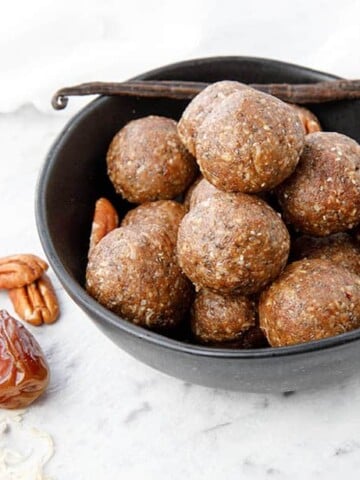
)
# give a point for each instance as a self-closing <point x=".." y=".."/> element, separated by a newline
<point x="219" y="320"/>
<point x="200" y="107"/>
<point x="167" y="214"/>
<point x="188" y="193"/>
<point x="134" y="273"/>
<point x="147" y="161"/>
<point x="232" y="243"/>
<point x="339" y="248"/>
<point x="250" y="142"/>
<point x="201" y="191"/>
<point x="311" y="300"/>
<point x="323" y="194"/>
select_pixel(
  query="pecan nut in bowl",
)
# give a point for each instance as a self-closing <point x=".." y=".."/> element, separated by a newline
<point x="24" y="373"/>
<point x="19" y="270"/>
<point x="36" y="303"/>
<point x="309" y="121"/>
<point x="105" y="220"/>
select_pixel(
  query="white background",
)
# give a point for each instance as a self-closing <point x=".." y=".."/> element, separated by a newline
<point x="46" y="44"/>
<point x="109" y="416"/>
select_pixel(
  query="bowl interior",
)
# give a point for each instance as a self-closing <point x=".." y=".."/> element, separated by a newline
<point x="74" y="175"/>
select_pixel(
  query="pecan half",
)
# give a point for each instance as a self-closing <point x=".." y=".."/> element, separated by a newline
<point x="105" y="220"/>
<point x="309" y="121"/>
<point x="36" y="303"/>
<point x="19" y="270"/>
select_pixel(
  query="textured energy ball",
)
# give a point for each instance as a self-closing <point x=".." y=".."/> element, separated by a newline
<point x="310" y="123"/>
<point x="164" y="213"/>
<point x="134" y="273"/>
<point x="147" y="161"/>
<point x="188" y="193"/>
<point x="218" y="319"/>
<point x="250" y="142"/>
<point x="202" y="190"/>
<point x="232" y="243"/>
<point x="323" y="194"/>
<point x="312" y="299"/>
<point x="339" y="248"/>
<point x="200" y="107"/>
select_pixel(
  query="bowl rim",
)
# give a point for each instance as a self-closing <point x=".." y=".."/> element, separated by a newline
<point x="91" y="306"/>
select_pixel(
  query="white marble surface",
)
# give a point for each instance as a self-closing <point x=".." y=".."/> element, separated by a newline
<point x="108" y="416"/>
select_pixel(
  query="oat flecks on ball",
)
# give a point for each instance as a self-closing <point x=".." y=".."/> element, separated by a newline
<point x="202" y="191"/>
<point x="311" y="300"/>
<point x="147" y="161"/>
<point x="339" y="248"/>
<point x="232" y="243"/>
<point x="188" y="193"/>
<point x="250" y="142"/>
<point x="164" y="213"/>
<point x="323" y="194"/>
<point x="200" y="107"/>
<point x="134" y="273"/>
<point x="218" y="319"/>
<point x="309" y="121"/>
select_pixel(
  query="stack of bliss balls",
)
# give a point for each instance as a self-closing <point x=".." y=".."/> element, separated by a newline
<point x="261" y="250"/>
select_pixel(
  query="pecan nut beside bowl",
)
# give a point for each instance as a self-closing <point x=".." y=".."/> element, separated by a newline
<point x="19" y="270"/>
<point x="36" y="303"/>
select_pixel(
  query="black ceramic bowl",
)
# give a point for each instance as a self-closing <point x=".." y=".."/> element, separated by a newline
<point x="74" y="177"/>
